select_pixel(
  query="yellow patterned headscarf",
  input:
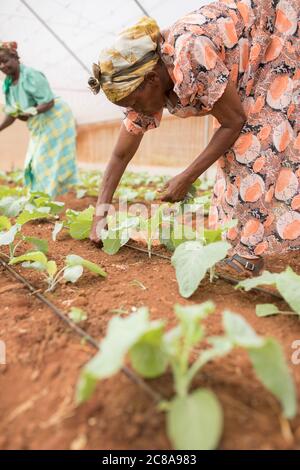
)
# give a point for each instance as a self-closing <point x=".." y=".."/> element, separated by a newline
<point x="122" y="68"/>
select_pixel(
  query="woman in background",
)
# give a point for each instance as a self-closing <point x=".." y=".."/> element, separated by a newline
<point x="50" y="164"/>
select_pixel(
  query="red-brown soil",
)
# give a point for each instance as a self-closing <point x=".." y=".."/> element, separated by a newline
<point x="44" y="357"/>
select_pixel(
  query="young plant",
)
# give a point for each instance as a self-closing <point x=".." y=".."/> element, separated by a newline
<point x="287" y="283"/>
<point x="28" y="206"/>
<point x="12" y="237"/>
<point x="12" y="200"/>
<point x="71" y="272"/>
<point x="151" y="226"/>
<point x="77" y="315"/>
<point x="15" y="176"/>
<point x="118" y="232"/>
<point x="88" y="184"/>
<point x="192" y="260"/>
<point x="194" y="418"/>
<point x="78" y="223"/>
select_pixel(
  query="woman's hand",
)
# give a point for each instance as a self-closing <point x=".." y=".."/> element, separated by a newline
<point x="99" y="223"/>
<point x="176" y="188"/>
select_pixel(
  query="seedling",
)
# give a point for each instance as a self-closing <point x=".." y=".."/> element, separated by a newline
<point x="194" y="418"/>
<point x="78" y="224"/>
<point x="287" y="283"/>
<point x="71" y="272"/>
<point x="192" y="260"/>
<point x="12" y="238"/>
<point x="77" y="315"/>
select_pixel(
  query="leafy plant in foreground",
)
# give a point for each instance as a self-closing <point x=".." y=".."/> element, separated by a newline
<point x="194" y="418"/>
<point x="71" y="272"/>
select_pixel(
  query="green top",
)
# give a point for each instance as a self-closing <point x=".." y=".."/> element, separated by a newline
<point x="31" y="90"/>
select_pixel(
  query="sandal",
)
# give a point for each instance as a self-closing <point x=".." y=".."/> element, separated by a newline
<point x="247" y="265"/>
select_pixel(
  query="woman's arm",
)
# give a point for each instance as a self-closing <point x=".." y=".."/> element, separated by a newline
<point x="125" y="148"/>
<point x="230" y="113"/>
<point x="7" y="121"/>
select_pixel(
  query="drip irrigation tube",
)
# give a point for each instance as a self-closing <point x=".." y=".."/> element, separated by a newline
<point x="79" y="331"/>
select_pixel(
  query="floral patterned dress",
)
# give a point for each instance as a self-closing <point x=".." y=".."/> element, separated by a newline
<point x="255" y="44"/>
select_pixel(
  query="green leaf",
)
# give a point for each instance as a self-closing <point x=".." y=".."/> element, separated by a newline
<point x="94" y="268"/>
<point x="118" y="232"/>
<point x="190" y="317"/>
<point x="38" y="243"/>
<point x="172" y="341"/>
<point x="193" y="313"/>
<point x="174" y="233"/>
<point x="271" y="368"/>
<point x="71" y="215"/>
<point x="80" y="193"/>
<point x="220" y="347"/>
<point x="127" y="194"/>
<point x="150" y="195"/>
<point x="212" y="236"/>
<point x="27" y="216"/>
<point x="51" y="268"/>
<point x="31" y="256"/>
<point x="6" y="238"/>
<point x="73" y="260"/>
<point x="33" y="265"/>
<point x="192" y="260"/>
<point x="111" y="242"/>
<point x="265" y="278"/>
<point x="77" y="315"/>
<point x="80" y="229"/>
<point x="57" y="228"/>
<point x="73" y="273"/>
<point x="195" y="421"/>
<point x="264" y="310"/>
<point x="287" y="283"/>
<point x="11" y="206"/>
<point x="147" y="356"/>
<point x="239" y="331"/>
<point x="122" y="334"/>
<point x="4" y="223"/>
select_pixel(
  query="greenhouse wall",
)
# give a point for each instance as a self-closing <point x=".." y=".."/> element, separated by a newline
<point x="175" y="143"/>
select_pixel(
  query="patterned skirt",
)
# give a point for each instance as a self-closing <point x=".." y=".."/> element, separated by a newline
<point x="50" y="164"/>
<point x="258" y="179"/>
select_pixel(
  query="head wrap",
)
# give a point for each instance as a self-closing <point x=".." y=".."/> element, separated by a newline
<point x="11" y="47"/>
<point x="122" y="67"/>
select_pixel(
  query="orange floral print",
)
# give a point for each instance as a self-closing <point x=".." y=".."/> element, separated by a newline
<point x="255" y="44"/>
